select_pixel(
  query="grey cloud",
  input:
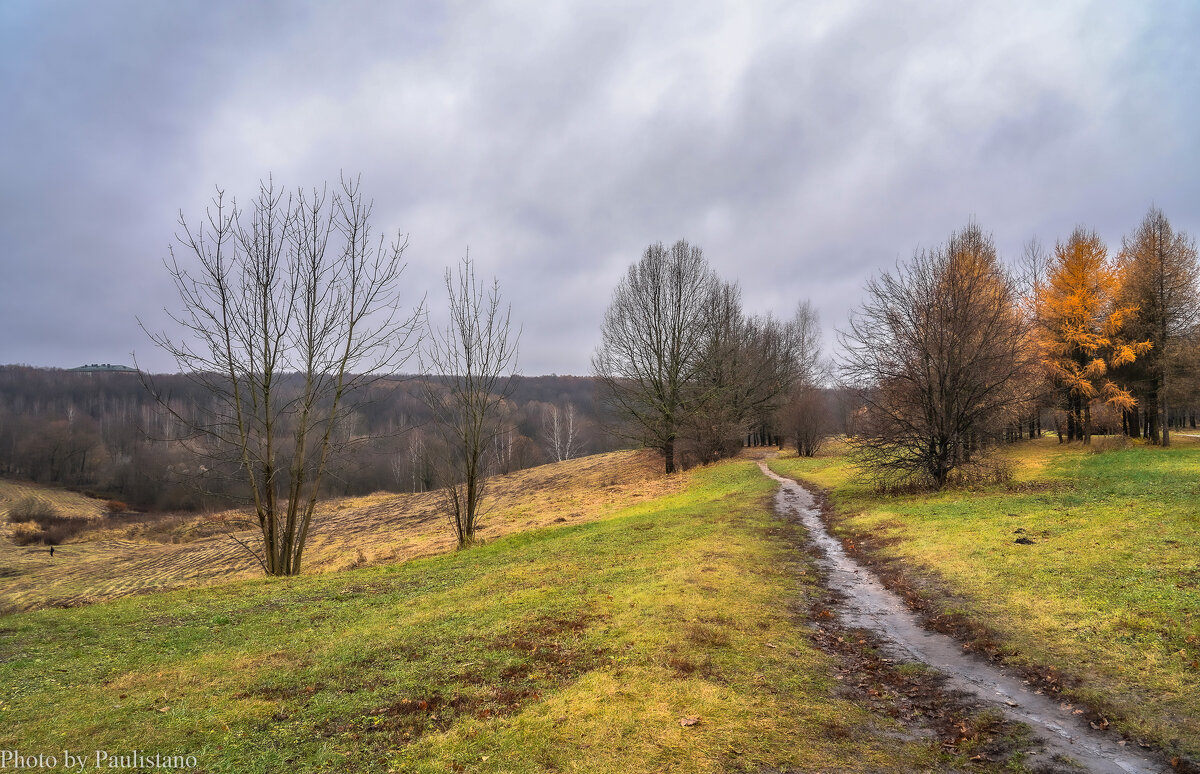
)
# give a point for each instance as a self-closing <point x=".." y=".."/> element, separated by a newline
<point x="803" y="145"/>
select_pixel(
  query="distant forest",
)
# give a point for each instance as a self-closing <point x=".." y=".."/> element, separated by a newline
<point x="105" y="433"/>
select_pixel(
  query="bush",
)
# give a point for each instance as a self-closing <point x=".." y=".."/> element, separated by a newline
<point x="31" y="509"/>
<point x="48" y="528"/>
<point x="116" y="506"/>
<point x="1109" y="443"/>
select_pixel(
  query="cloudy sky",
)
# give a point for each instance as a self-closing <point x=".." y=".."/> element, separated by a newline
<point x="803" y="145"/>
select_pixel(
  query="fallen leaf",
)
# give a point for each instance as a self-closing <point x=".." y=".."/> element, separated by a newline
<point x="689" y="721"/>
<point x="164" y="709"/>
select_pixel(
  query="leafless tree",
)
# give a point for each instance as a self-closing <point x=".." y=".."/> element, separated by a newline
<point x="560" y="432"/>
<point x="288" y="310"/>
<point x="1160" y="277"/>
<point x="653" y="343"/>
<point x="1033" y="277"/>
<point x="471" y="362"/>
<point x="806" y="418"/>
<point x="749" y="367"/>
<point x="937" y="353"/>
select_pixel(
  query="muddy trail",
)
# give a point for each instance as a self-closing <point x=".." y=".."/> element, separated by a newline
<point x="866" y="604"/>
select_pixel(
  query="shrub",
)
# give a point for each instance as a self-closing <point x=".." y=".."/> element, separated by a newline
<point x="30" y="509"/>
<point x="116" y="506"/>
<point x="48" y="527"/>
<point x="1109" y="443"/>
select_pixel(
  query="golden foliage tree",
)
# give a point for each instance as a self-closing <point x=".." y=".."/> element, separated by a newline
<point x="1081" y="329"/>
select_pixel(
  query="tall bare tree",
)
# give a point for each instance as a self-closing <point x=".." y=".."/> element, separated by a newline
<point x="1160" y="278"/>
<point x="288" y="310"/>
<point x="806" y="415"/>
<point x="561" y="432"/>
<point x="1033" y="280"/>
<point x="749" y="367"/>
<point x="470" y="363"/>
<point x="653" y="342"/>
<point x="936" y="353"/>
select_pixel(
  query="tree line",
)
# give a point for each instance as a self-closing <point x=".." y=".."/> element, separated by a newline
<point x="953" y="352"/>
<point x="105" y="433"/>
<point x="290" y="333"/>
<point x="687" y="372"/>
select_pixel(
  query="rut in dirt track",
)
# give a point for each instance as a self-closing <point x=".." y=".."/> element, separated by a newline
<point x="868" y="605"/>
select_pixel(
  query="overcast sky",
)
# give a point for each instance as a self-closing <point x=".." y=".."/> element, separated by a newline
<point x="803" y="145"/>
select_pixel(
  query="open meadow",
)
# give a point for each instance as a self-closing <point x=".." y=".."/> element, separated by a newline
<point x="143" y="556"/>
<point x="617" y="619"/>
<point x="666" y="635"/>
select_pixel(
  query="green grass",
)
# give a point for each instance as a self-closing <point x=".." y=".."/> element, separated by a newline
<point x="1108" y="593"/>
<point x="578" y="648"/>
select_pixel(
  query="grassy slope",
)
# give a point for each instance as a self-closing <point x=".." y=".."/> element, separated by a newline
<point x="64" y="502"/>
<point x="348" y="532"/>
<point x="1109" y="591"/>
<point x="574" y="648"/>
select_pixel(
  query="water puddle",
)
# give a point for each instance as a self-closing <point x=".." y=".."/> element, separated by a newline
<point x="868" y="605"/>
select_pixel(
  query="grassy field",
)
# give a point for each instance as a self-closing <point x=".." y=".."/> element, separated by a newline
<point x="662" y="637"/>
<point x="1107" y="591"/>
<point x="64" y="502"/>
<point x="351" y="532"/>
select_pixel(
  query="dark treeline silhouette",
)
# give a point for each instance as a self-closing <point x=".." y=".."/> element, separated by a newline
<point x="105" y="433"/>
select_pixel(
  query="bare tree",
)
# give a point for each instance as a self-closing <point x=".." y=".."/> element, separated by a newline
<point x="1160" y="277"/>
<point x="287" y="311"/>
<point x="1033" y="282"/>
<point x="653" y="342"/>
<point x="560" y="432"/>
<point x="936" y="354"/>
<point x="471" y="362"/>
<point x="750" y="365"/>
<point x="806" y="417"/>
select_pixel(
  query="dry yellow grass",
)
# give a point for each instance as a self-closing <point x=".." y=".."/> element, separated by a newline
<point x="348" y="532"/>
<point x="66" y="503"/>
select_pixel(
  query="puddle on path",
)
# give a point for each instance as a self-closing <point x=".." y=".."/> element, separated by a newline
<point x="868" y="605"/>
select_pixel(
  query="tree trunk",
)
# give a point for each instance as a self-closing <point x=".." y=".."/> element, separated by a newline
<point x="1166" y="416"/>
<point x="1152" y="409"/>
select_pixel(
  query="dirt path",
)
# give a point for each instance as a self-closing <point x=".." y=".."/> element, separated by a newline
<point x="868" y="605"/>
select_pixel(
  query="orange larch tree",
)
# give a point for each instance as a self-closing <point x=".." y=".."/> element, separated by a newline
<point x="1081" y="330"/>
